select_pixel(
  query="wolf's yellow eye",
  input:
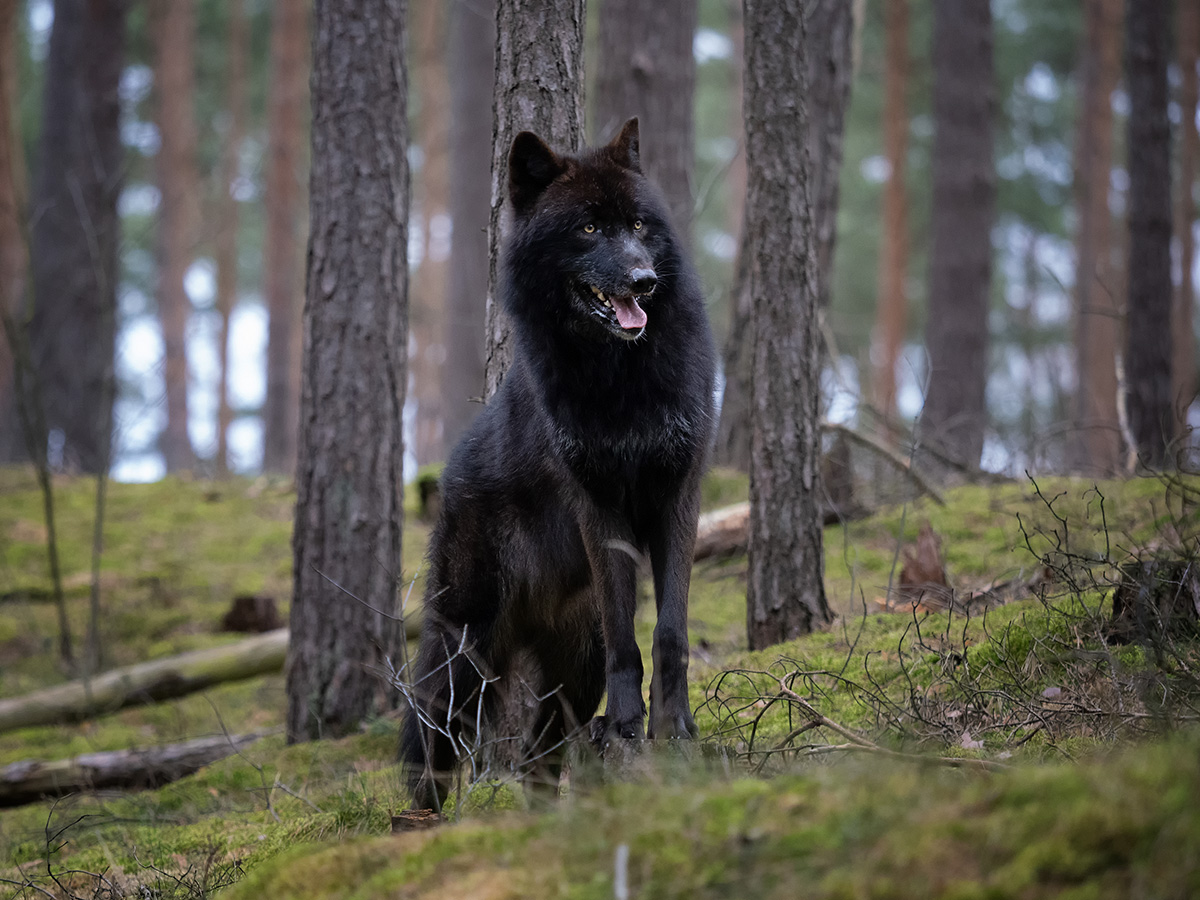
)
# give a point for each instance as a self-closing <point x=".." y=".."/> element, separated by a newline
<point x="637" y="224"/>
<point x="589" y="228"/>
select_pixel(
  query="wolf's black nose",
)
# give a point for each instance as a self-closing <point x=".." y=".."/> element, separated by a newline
<point x="642" y="281"/>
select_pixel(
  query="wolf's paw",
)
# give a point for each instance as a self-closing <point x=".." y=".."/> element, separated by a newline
<point x="605" y="733"/>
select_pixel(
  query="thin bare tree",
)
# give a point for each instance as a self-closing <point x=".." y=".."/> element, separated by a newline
<point x="75" y="230"/>
<point x="173" y="23"/>
<point x="427" y="303"/>
<point x="1183" y="351"/>
<point x="954" y="418"/>
<point x="1148" y="304"/>
<point x="1097" y="318"/>
<point x="227" y="213"/>
<point x="472" y="75"/>
<point x="283" y="240"/>
<point x="891" y="309"/>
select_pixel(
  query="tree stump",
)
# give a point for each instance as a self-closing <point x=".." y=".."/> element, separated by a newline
<point x="1157" y="600"/>
<point x="251" y="614"/>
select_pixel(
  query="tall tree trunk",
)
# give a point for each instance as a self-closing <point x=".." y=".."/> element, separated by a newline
<point x="732" y="446"/>
<point x="226" y="243"/>
<point x="1183" y="352"/>
<point x="785" y="585"/>
<point x="427" y="303"/>
<point x="1097" y="443"/>
<point x="1148" y="332"/>
<point x="14" y="262"/>
<point x="349" y="505"/>
<point x="539" y="88"/>
<point x="283" y="240"/>
<point x="646" y="68"/>
<point x="960" y="258"/>
<point x="891" y="310"/>
<point x="76" y="230"/>
<point x="174" y="26"/>
<point x="830" y="26"/>
<point x="472" y="61"/>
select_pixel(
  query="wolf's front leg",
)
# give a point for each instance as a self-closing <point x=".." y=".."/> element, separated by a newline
<point x="613" y="560"/>
<point x="672" y="543"/>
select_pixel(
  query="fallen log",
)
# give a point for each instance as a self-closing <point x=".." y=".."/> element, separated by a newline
<point x="31" y="780"/>
<point x="155" y="681"/>
<point x="726" y="530"/>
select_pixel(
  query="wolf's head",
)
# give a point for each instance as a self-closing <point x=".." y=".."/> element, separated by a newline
<point x="591" y="246"/>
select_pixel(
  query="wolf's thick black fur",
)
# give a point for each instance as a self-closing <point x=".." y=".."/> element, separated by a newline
<point x="588" y="458"/>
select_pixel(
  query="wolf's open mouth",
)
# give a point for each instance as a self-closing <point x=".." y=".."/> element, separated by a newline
<point x="630" y="316"/>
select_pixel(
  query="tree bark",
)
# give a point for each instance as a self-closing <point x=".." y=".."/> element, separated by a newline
<point x="1148" y="305"/>
<point x="76" y="230"/>
<point x="830" y="25"/>
<point x="828" y="53"/>
<point x="732" y="446"/>
<point x="645" y="67"/>
<point x="539" y="88"/>
<point x="960" y="260"/>
<point x="427" y="308"/>
<point x="349" y="508"/>
<point x="226" y="243"/>
<point x="472" y="60"/>
<point x="1097" y="321"/>
<point x="14" y="260"/>
<point x="785" y="588"/>
<point x="891" y="316"/>
<point x="1183" y="351"/>
<point x="174" y="29"/>
<point x="282" y="266"/>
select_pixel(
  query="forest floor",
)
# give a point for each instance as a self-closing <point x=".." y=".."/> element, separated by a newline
<point x="1017" y="752"/>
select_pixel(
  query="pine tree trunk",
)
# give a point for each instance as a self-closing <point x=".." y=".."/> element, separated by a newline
<point x="349" y="509"/>
<point x="225" y="250"/>
<point x="174" y="29"/>
<point x="785" y="585"/>
<point x="427" y="305"/>
<point x="76" y="231"/>
<point x="829" y="25"/>
<point x="1148" y="305"/>
<point x="13" y="252"/>
<point x="828" y="52"/>
<point x="960" y="260"/>
<point x="1097" y="444"/>
<point x="282" y="266"/>
<point x="472" y="61"/>
<point x="645" y="67"/>
<point x="538" y="88"/>
<point x="732" y="445"/>
<point x="1183" y="352"/>
<point x="891" y="317"/>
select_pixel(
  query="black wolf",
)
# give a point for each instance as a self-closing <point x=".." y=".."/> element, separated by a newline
<point x="588" y="458"/>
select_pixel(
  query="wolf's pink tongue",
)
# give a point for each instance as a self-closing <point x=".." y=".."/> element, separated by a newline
<point x="629" y="314"/>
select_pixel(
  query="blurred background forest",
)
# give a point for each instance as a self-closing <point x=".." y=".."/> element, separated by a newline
<point x="213" y="162"/>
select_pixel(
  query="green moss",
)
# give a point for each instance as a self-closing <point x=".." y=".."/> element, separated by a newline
<point x="844" y="827"/>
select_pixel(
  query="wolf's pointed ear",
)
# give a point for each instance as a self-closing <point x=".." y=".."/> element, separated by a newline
<point x="624" y="146"/>
<point x="531" y="167"/>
